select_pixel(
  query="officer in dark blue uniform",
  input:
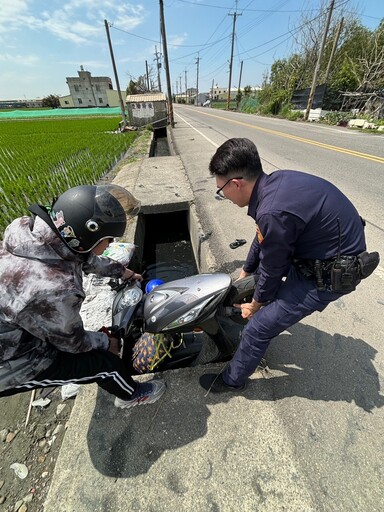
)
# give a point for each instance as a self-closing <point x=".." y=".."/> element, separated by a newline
<point x="306" y="231"/>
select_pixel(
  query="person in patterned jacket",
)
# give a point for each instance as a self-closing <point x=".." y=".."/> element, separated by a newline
<point x="42" y="258"/>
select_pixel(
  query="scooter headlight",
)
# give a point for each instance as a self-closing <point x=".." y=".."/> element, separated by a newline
<point x="188" y="317"/>
<point x="130" y="297"/>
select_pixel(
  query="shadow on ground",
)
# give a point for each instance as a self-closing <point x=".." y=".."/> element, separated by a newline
<point x="319" y="366"/>
<point x="305" y="362"/>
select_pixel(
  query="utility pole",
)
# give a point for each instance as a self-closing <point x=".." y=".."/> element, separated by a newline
<point x="122" y="107"/>
<point x="158" y="65"/>
<point x="339" y="27"/>
<point x="185" y="76"/>
<point x="197" y="80"/>
<point x="213" y="81"/>
<point x="317" y="68"/>
<point x="146" y="68"/>
<point x="166" y="63"/>
<point x="180" y="85"/>
<point x="238" y="89"/>
<point x="231" y="60"/>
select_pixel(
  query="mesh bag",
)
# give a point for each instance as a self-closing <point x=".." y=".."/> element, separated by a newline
<point x="150" y="350"/>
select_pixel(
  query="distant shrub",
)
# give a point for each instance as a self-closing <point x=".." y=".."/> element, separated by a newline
<point x="338" y="118"/>
<point x="289" y="113"/>
<point x="249" y="105"/>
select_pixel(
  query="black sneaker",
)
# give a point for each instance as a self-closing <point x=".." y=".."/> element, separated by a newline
<point x="146" y="393"/>
<point x="214" y="382"/>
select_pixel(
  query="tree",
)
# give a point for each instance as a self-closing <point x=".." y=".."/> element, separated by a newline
<point x="370" y="62"/>
<point x="139" y="85"/>
<point x="308" y="36"/>
<point x="51" y="101"/>
<point x="132" y="88"/>
<point x="247" y="90"/>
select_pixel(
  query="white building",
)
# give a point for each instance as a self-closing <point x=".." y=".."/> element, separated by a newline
<point x="221" y="93"/>
<point x="88" y="91"/>
<point x="31" y="103"/>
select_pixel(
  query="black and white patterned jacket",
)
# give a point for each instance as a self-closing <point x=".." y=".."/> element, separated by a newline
<point x="41" y="293"/>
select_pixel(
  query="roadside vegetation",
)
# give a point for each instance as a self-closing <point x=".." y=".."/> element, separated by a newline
<point x="40" y="159"/>
<point x="354" y="75"/>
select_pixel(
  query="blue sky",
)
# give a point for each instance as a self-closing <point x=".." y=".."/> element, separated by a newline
<point x="43" y="41"/>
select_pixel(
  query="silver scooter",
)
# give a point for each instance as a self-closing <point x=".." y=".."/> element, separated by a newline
<point x="196" y="311"/>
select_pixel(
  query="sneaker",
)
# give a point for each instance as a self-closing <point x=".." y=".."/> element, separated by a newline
<point x="146" y="393"/>
<point x="215" y="383"/>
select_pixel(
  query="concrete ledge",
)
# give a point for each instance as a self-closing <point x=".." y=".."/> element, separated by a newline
<point x="163" y="185"/>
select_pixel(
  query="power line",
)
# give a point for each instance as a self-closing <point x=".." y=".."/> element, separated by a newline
<point x="169" y="44"/>
<point x="198" y="4"/>
<point x="235" y="14"/>
<point x="134" y="35"/>
<point x="290" y="33"/>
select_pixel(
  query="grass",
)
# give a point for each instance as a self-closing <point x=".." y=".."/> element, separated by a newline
<point x="40" y="159"/>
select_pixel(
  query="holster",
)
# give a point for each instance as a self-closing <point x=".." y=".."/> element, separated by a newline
<point x="341" y="274"/>
<point x="368" y="261"/>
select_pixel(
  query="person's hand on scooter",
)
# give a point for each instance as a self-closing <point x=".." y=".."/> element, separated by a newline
<point x="114" y="345"/>
<point x="131" y="275"/>
<point x="248" y="309"/>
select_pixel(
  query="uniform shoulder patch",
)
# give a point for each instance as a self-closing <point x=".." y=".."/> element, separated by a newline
<point x="259" y="234"/>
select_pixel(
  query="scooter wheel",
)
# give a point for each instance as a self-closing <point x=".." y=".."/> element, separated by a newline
<point x="241" y="291"/>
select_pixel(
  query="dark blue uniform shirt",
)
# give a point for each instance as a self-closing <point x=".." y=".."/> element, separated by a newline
<point x="296" y="216"/>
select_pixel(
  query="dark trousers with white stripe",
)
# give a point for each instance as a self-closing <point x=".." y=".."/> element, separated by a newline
<point x="100" y="366"/>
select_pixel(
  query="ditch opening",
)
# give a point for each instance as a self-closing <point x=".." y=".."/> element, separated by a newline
<point x="166" y="248"/>
<point x="159" y="144"/>
<point x="164" y="251"/>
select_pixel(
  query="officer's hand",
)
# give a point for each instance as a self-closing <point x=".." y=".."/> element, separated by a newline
<point x="248" y="309"/>
<point x="243" y="274"/>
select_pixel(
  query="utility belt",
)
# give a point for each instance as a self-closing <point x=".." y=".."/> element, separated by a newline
<point x="340" y="274"/>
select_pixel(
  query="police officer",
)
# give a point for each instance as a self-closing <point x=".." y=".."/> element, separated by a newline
<point x="303" y="224"/>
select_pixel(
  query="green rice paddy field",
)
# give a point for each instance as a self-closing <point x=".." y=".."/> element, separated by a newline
<point x="40" y="159"/>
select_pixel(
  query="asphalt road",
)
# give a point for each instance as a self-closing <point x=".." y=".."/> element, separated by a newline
<point x="329" y="369"/>
<point x="352" y="160"/>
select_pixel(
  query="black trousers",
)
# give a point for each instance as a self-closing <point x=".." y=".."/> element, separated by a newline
<point x="100" y="366"/>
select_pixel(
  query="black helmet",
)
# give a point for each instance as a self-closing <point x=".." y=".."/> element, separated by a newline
<point x="87" y="214"/>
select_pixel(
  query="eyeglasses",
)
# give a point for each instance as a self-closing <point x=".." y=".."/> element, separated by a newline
<point x="219" y="191"/>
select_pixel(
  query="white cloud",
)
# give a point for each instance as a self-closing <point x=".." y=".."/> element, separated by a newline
<point x="25" y="60"/>
<point x="12" y="9"/>
<point x="76" y="21"/>
<point x="64" y="27"/>
<point x="15" y="15"/>
<point x="175" y="41"/>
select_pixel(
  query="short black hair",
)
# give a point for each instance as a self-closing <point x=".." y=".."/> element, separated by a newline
<point x="237" y="156"/>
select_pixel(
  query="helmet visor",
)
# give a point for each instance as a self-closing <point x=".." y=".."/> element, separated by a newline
<point x="114" y="202"/>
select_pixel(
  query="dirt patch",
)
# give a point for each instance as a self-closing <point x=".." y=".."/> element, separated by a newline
<point x="35" y="446"/>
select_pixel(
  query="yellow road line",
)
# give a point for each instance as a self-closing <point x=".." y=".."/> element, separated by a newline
<point x="358" y="154"/>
